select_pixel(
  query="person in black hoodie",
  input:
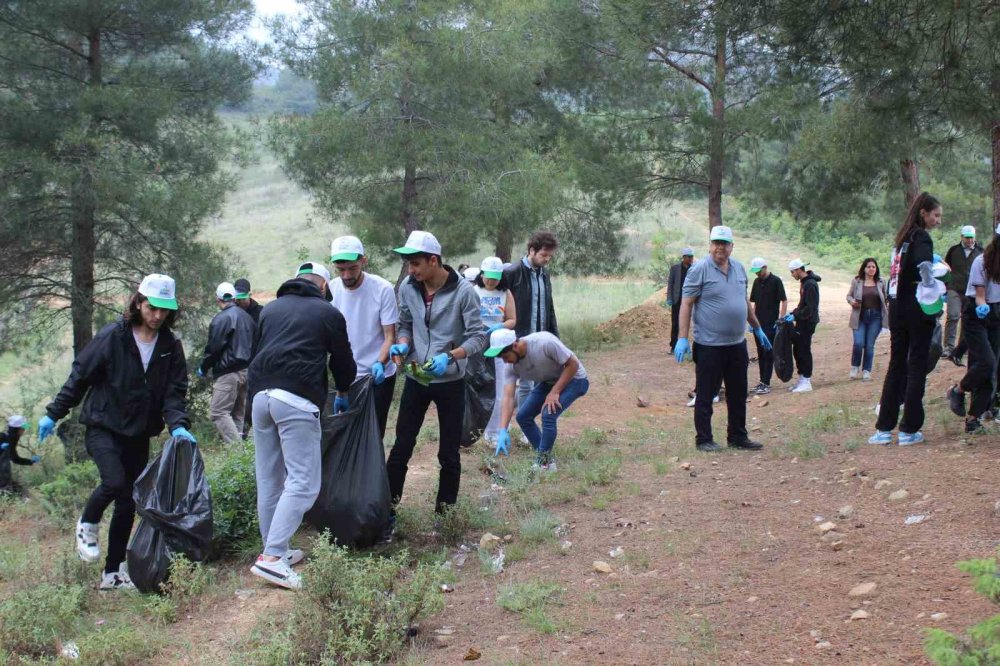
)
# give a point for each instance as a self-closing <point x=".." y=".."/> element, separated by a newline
<point x="806" y="317"/>
<point x="227" y="355"/>
<point x="300" y="335"/>
<point x="16" y="425"/>
<point x="246" y="301"/>
<point x="910" y="328"/>
<point x="131" y="378"/>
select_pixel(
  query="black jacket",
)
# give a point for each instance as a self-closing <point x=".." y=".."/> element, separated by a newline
<point x="9" y="455"/>
<point x="117" y="395"/>
<point x="675" y="282"/>
<point x="807" y="311"/>
<point x="230" y="341"/>
<point x="518" y="277"/>
<point x="298" y="329"/>
<point x="961" y="265"/>
<point x="254" y="310"/>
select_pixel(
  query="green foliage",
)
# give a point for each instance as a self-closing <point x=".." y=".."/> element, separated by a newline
<point x="981" y="645"/>
<point x="34" y="619"/>
<point x="287" y="94"/>
<point x="187" y="581"/>
<point x="64" y="496"/>
<point x="532" y="602"/>
<point x="539" y="527"/>
<point x="121" y="643"/>
<point x="233" y="480"/>
<point x="352" y="609"/>
<point x="464" y="518"/>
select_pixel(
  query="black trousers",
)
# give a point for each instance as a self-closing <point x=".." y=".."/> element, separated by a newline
<point x="765" y="357"/>
<point x="449" y="398"/>
<point x="983" y="339"/>
<point x="802" y="340"/>
<point x="120" y="460"/>
<point x="383" y="401"/>
<point x="910" y="332"/>
<point x="675" y="317"/>
<point x="715" y="365"/>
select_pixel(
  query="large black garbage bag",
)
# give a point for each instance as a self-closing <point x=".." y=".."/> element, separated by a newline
<point x="354" y="501"/>
<point x="174" y="503"/>
<point x="937" y="347"/>
<point x="784" y="364"/>
<point x="480" y="395"/>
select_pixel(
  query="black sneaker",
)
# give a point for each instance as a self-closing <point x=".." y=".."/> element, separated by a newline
<point x="708" y="447"/>
<point x="973" y="426"/>
<point x="389" y="533"/>
<point x="956" y="401"/>
<point x="761" y="389"/>
<point x="746" y="444"/>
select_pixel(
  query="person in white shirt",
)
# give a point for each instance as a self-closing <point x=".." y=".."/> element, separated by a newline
<point x="368" y="303"/>
<point x="497" y="310"/>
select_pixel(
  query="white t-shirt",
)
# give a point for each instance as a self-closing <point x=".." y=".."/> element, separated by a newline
<point x="145" y="349"/>
<point x="367" y="309"/>
<point x="292" y="400"/>
<point x="492" y="305"/>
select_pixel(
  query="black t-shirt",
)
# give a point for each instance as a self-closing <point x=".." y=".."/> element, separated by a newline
<point x="766" y="295"/>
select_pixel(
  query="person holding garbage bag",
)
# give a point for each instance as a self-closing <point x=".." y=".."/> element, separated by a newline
<point x="131" y="378"/>
<point x="439" y="328"/>
<point x="559" y="380"/>
<point x="805" y="318"/>
<point x="16" y="425"/>
<point x="910" y="326"/>
<point x="769" y="303"/>
<point x="300" y="335"/>
<point x="981" y="330"/>
<point x="497" y="310"/>
<point x="227" y="356"/>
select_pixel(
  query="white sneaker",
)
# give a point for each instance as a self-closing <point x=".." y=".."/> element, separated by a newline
<point x="117" y="580"/>
<point x="278" y="573"/>
<point x="804" y="386"/>
<point x="87" y="546"/>
<point x="293" y="556"/>
<point x="866" y="376"/>
<point x="694" y="398"/>
<point x="854" y="371"/>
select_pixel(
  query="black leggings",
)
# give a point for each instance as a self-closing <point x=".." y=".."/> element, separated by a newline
<point x="983" y="339"/>
<point x="120" y="460"/>
<point x="910" y="332"/>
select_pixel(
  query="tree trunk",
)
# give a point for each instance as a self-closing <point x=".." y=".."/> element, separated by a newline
<point x="407" y="211"/>
<point x="504" y="247"/>
<point x="717" y="149"/>
<point x="995" y="140"/>
<point x="909" y="170"/>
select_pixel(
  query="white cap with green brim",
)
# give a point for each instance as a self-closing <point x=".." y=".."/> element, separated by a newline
<point x="796" y="264"/>
<point x="968" y="231"/>
<point x="17" y="421"/>
<point x="313" y="268"/>
<point x="225" y="292"/>
<point x="346" y="248"/>
<point x="420" y="242"/>
<point x="492" y="268"/>
<point x="687" y="252"/>
<point x="500" y="339"/>
<point x="721" y="233"/>
<point x="160" y="291"/>
<point x="756" y="264"/>
<point x="931" y="299"/>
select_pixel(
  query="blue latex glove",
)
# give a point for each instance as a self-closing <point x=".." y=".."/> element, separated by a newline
<point x="200" y="372"/>
<point x="494" y="327"/>
<point x="45" y="428"/>
<point x="765" y="344"/>
<point x="982" y="311"/>
<point x="438" y="364"/>
<point x="503" y="443"/>
<point x="681" y="349"/>
<point x="789" y="317"/>
<point x="378" y="372"/>
<point x="937" y="258"/>
<point x="183" y="432"/>
<point x="341" y="404"/>
<point x="4" y="446"/>
<point x="36" y="459"/>
<point x="399" y="349"/>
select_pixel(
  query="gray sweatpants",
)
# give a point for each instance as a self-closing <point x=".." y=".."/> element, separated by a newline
<point x="288" y="461"/>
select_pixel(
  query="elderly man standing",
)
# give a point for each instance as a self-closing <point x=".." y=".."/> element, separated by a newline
<point x="675" y="283"/>
<point x="715" y="297"/>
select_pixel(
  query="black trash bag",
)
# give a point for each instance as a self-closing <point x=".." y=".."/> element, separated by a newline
<point x="480" y="396"/>
<point x="937" y="348"/>
<point x="354" y="501"/>
<point x="174" y="503"/>
<point x="784" y="363"/>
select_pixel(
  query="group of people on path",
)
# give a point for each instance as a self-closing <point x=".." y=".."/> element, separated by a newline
<point x="133" y="379"/>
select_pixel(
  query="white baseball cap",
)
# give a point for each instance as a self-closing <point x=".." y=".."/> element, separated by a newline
<point x="721" y="233"/>
<point x="225" y="292"/>
<point x="796" y="264"/>
<point x="492" y="268"/>
<point x="969" y="231"/>
<point x="17" y="421"/>
<point x="160" y="291"/>
<point x="500" y="339"/>
<point x="313" y="268"/>
<point x="471" y="273"/>
<point x="756" y="264"/>
<point x="420" y="241"/>
<point x="346" y="248"/>
<point x="687" y="252"/>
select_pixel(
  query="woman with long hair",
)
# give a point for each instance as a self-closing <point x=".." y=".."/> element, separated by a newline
<point x="981" y="328"/>
<point x="910" y="327"/>
<point x="497" y="310"/>
<point x="131" y="378"/>
<point x="869" y="312"/>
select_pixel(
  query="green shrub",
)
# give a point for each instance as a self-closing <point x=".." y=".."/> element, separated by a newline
<point x="33" y="619"/>
<point x="118" y="645"/>
<point x="539" y="527"/>
<point x="233" y="482"/>
<point x="531" y="602"/>
<point x="64" y="496"/>
<point x="981" y="647"/>
<point x="187" y="581"/>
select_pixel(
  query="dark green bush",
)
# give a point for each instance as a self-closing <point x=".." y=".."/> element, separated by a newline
<point x="234" y="499"/>
<point x="64" y="496"/>
<point x="34" y="619"/>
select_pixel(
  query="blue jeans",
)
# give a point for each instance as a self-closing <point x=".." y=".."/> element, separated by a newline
<point x="869" y="326"/>
<point x="542" y="440"/>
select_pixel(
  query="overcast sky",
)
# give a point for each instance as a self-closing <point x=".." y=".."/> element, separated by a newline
<point x="268" y="8"/>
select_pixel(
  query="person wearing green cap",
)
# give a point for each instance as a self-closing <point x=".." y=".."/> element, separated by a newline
<point x="675" y="283"/>
<point x="16" y="425"/>
<point x="497" y="310"/>
<point x="131" y="378"/>
<point x="959" y="258"/>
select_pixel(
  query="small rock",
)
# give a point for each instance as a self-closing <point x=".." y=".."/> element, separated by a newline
<point x="685" y="466"/>
<point x="937" y="617"/>
<point x="828" y="526"/>
<point x="915" y="519"/>
<point x="445" y="631"/>
<point x="641" y="402"/>
<point x="898" y="495"/>
<point x="862" y="590"/>
<point x="859" y="615"/>
<point x="837" y="545"/>
<point x="619" y="616"/>
<point x="693" y="474"/>
<point x="883" y="483"/>
<point x="602" y="567"/>
<point x="765" y="403"/>
<point x="565" y="546"/>
<point x="846" y="511"/>
<point x="508" y="538"/>
<point x="752" y="600"/>
<point x="824" y="645"/>
<point x="489" y="541"/>
<point x="445" y="587"/>
<point x="675" y="459"/>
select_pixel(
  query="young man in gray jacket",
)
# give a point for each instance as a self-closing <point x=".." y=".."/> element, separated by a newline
<point x="439" y="328"/>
